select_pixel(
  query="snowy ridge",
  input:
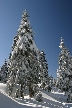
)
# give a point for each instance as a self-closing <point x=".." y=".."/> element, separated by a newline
<point x="48" y="97"/>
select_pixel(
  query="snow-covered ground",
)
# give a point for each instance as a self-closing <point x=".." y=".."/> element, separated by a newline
<point x="50" y="100"/>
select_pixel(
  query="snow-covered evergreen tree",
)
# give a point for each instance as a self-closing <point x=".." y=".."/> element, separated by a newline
<point x="23" y="63"/>
<point x="50" y="80"/>
<point x="43" y="73"/>
<point x="4" y="72"/>
<point x="64" y="73"/>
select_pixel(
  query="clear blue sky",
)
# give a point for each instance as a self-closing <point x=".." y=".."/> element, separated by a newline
<point x="50" y="19"/>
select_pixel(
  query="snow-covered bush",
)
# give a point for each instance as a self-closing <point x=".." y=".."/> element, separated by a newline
<point x="38" y="97"/>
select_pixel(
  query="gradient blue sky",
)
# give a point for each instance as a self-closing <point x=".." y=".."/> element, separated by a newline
<point x="50" y="19"/>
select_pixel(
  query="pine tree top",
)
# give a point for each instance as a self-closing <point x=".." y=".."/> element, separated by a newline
<point x="25" y="25"/>
<point x="25" y="14"/>
<point x="61" y="43"/>
<point x="64" y="49"/>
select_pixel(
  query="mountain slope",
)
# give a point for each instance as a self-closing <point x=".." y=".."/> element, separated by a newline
<point x="6" y="102"/>
<point x="50" y="100"/>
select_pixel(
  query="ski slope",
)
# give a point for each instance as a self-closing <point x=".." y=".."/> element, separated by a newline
<point x="50" y="100"/>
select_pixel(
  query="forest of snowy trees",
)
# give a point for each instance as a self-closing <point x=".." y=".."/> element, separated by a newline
<point x="26" y="71"/>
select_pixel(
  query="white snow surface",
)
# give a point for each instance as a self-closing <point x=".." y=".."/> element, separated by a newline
<point x="50" y="100"/>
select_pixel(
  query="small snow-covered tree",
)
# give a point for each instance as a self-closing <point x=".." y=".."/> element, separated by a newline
<point x="4" y="72"/>
<point x="64" y="73"/>
<point x="43" y="73"/>
<point x="50" y="80"/>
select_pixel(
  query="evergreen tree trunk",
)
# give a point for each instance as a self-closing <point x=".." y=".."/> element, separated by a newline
<point x="21" y="91"/>
<point x="31" y="91"/>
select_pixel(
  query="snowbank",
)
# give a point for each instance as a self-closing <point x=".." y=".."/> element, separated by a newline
<point x="3" y="87"/>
